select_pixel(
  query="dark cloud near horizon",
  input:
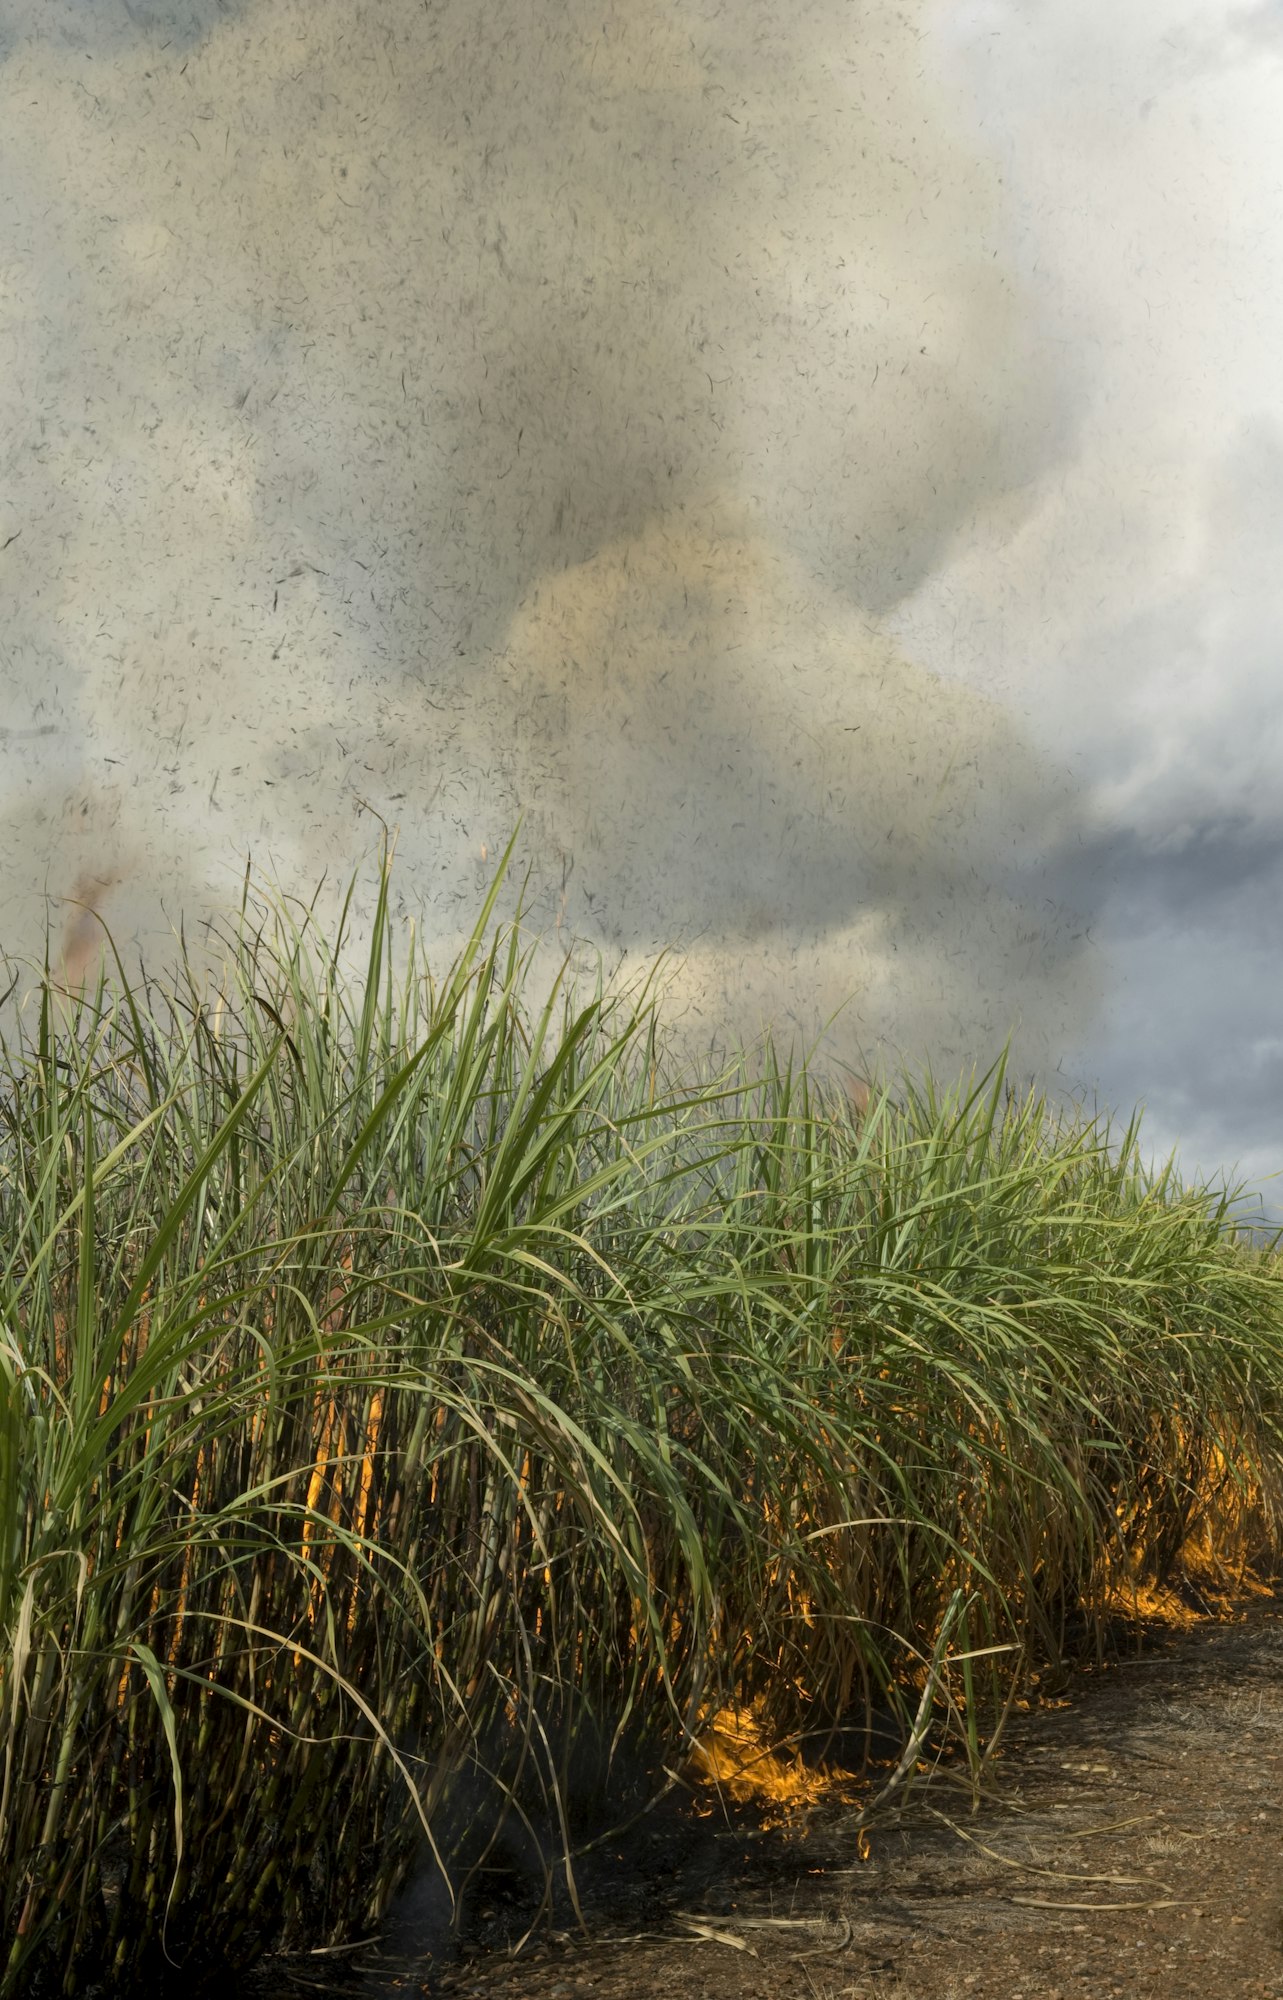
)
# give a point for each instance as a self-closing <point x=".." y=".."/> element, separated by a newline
<point x="1191" y="1027"/>
<point x="1193" y="1035"/>
<point x="1212" y="873"/>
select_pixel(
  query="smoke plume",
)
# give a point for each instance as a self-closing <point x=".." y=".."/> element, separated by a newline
<point x="527" y="410"/>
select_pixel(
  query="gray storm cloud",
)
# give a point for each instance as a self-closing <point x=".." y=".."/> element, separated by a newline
<point x="471" y="412"/>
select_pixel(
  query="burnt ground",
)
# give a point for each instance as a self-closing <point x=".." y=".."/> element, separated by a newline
<point x="1129" y="1843"/>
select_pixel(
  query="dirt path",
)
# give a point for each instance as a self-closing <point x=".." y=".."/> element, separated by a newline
<point x="1134" y="1848"/>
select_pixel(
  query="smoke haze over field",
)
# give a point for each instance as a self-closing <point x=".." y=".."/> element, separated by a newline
<point x="714" y="435"/>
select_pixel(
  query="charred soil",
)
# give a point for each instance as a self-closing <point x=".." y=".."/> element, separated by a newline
<point x="1129" y="1842"/>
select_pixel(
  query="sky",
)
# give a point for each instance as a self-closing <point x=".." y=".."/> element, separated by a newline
<point x="817" y="471"/>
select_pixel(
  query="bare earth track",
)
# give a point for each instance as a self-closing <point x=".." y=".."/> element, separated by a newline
<point x="1133" y="1846"/>
<point x="1130" y="1845"/>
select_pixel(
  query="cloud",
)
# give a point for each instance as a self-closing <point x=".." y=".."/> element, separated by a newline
<point x="1194" y="1021"/>
<point x="1215" y="873"/>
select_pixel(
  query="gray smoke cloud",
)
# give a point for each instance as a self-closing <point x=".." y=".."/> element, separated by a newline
<point x="1262" y="23"/>
<point x="471" y="412"/>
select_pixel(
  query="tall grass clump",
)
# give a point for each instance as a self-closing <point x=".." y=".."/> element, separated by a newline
<point x="420" y="1408"/>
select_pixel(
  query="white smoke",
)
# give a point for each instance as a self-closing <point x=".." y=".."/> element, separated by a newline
<point x="543" y="410"/>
